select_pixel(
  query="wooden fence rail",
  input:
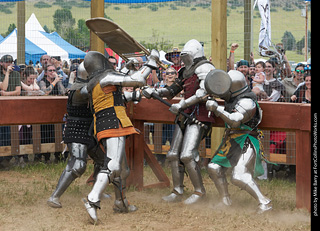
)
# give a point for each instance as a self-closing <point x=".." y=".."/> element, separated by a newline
<point x="295" y="118"/>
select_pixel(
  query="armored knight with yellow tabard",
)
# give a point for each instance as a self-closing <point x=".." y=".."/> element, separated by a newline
<point x="112" y="125"/>
<point x="240" y="148"/>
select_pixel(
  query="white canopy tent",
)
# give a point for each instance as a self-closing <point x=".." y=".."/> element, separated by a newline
<point x="52" y="44"/>
<point x="36" y="34"/>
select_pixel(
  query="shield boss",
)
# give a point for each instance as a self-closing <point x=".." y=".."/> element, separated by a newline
<point x="217" y="82"/>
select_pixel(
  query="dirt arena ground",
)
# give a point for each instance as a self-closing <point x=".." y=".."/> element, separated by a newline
<point x="24" y="193"/>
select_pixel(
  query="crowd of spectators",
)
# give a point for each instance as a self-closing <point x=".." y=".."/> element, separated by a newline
<point x="50" y="76"/>
<point x="277" y="82"/>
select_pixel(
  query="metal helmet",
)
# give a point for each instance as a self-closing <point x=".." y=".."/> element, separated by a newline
<point x="95" y="62"/>
<point x="238" y="83"/>
<point x="82" y="73"/>
<point x="191" y="50"/>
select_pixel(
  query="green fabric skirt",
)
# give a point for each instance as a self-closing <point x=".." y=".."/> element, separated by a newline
<point x="232" y="147"/>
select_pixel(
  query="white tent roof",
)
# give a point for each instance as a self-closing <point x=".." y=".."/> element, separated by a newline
<point x="33" y="31"/>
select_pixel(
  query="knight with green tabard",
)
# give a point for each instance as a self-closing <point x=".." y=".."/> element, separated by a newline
<point x="240" y="148"/>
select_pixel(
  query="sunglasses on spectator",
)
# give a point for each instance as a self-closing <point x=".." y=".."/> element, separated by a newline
<point x="174" y="56"/>
<point x="300" y="71"/>
<point x="51" y="70"/>
<point x="170" y="73"/>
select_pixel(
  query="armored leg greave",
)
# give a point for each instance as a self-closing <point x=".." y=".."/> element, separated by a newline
<point x="177" y="169"/>
<point x="115" y="167"/>
<point x="115" y="152"/>
<point x="196" y="179"/>
<point x="217" y="175"/>
<point x="121" y="204"/>
<point x="94" y="196"/>
<point x="76" y="166"/>
<point x="190" y="158"/>
<point x="242" y="178"/>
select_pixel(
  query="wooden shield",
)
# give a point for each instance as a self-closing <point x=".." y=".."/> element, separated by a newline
<point x="116" y="38"/>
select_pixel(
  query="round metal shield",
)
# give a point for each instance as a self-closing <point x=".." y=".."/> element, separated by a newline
<point x="217" y="82"/>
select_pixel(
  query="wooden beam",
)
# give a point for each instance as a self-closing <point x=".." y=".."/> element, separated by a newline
<point x="21" y="18"/>
<point x="303" y="169"/>
<point x="17" y="110"/>
<point x="248" y="36"/>
<point x="97" y="10"/>
<point x="156" y="168"/>
<point x="219" y="34"/>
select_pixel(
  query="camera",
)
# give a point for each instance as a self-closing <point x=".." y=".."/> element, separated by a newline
<point x="56" y="57"/>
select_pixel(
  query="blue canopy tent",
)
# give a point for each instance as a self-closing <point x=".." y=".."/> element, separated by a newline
<point x="73" y="52"/>
<point x="32" y="52"/>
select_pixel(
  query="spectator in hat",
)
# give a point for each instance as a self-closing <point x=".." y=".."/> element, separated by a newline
<point x="8" y="72"/>
<point x="174" y="57"/>
<point x="243" y="67"/>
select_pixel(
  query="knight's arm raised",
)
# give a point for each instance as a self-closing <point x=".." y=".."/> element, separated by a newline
<point x="137" y="79"/>
<point x="169" y="91"/>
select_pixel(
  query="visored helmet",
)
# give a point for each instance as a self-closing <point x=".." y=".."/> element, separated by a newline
<point x="191" y="50"/>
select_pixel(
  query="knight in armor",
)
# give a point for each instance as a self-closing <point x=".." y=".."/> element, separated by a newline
<point x="183" y="154"/>
<point x="76" y="135"/>
<point x="240" y="148"/>
<point x="112" y="125"/>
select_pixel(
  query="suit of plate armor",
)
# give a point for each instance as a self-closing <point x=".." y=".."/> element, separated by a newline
<point x="240" y="147"/>
<point x="183" y="154"/>
<point x="78" y="137"/>
<point x="75" y="135"/>
<point x="111" y="125"/>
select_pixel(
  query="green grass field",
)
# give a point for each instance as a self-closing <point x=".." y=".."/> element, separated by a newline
<point x="178" y="26"/>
